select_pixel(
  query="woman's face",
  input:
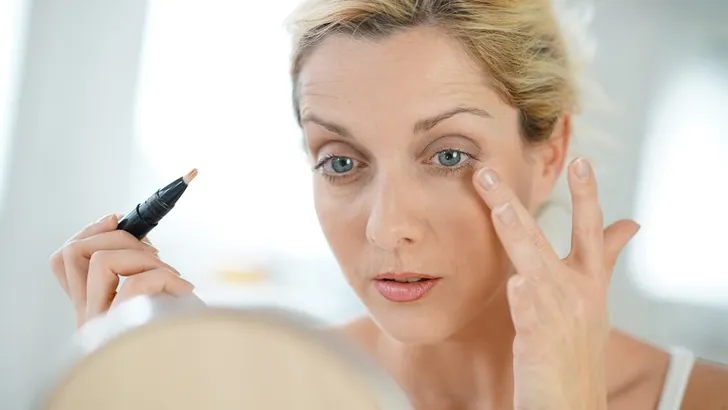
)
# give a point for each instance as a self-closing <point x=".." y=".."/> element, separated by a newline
<point x="396" y="128"/>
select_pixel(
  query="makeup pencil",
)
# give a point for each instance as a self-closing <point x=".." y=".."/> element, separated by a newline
<point x="146" y="215"/>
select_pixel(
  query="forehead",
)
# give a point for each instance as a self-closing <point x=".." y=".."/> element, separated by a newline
<point x="418" y="70"/>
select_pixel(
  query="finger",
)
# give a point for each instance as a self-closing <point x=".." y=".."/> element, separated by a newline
<point x="75" y="256"/>
<point x="151" y="283"/>
<point x="520" y="303"/>
<point x="616" y="237"/>
<point x="109" y="241"/>
<point x="496" y="194"/>
<point x="76" y="259"/>
<point x="105" y="268"/>
<point x="525" y="253"/>
<point x="145" y="240"/>
<point x="587" y="246"/>
<point x="104" y="224"/>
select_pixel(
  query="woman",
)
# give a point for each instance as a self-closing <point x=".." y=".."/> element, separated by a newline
<point x="437" y="130"/>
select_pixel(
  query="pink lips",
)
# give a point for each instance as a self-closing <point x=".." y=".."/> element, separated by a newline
<point x="395" y="291"/>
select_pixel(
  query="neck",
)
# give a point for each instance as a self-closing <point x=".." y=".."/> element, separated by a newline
<point x="471" y="369"/>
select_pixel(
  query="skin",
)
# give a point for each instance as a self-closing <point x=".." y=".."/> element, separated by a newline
<point x="472" y="342"/>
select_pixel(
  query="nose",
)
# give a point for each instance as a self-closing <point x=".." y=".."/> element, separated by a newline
<point x="394" y="220"/>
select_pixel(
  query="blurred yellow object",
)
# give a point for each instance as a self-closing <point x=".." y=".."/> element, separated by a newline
<point x="244" y="276"/>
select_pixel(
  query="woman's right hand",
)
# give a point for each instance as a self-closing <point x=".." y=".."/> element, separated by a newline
<point x="89" y="264"/>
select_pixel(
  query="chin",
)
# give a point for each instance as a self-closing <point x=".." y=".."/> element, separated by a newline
<point x="414" y="324"/>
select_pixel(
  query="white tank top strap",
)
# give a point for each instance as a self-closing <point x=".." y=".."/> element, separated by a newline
<point x="677" y="378"/>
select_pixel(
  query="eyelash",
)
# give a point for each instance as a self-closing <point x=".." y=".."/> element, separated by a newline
<point x="334" y="178"/>
<point x="466" y="164"/>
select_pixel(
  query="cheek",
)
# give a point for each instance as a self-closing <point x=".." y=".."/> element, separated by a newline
<point x="462" y="227"/>
<point x="342" y="220"/>
<point x="458" y="215"/>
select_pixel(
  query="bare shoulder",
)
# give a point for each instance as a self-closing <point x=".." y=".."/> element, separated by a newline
<point x="640" y="371"/>
<point x="707" y="388"/>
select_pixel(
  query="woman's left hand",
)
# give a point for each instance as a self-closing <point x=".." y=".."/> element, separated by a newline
<point x="558" y="306"/>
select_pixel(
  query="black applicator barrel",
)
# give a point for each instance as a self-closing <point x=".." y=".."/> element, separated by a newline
<point x="146" y="215"/>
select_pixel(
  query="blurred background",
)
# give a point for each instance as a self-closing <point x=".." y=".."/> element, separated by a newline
<point x="103" y="102"/>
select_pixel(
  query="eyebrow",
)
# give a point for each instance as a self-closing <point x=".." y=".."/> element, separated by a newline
<point x="430" y="123"/>
<point x="336" y="129"/>
<point x="421" y="125"/>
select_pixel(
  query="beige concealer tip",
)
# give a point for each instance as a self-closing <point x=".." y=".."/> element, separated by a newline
<point x="190" y="176"/>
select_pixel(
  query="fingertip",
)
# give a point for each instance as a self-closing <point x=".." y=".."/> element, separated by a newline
<point x="628" y="225"/>
<point x="616" y="238"/>
<point x="581" y="169"/>
<point x="103" y="219"/>
<point x="190" y="284"/>
<point x="151" y="249"/>
<point x="114" y="219"/>
<point x="101" y="222"/>
<point x="106" y="223"/>
<point x="477" y="175"/>
<point x="109" y="221"/>
<point x="487" y="178"/>
<point x="635" y="229"/>
<point x="149" y="246"/>
<point x="581" y="180"/>
<point x="186" y="287"/>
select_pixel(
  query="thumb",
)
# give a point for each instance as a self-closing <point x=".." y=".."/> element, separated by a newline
<point x="616" y="237"/>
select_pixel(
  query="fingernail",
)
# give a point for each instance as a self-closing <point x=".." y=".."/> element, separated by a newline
<point x="506" y="213"/>
<point x="151" y="248"/>
<point x="104" y="219"/>
<point x="488" y="179"/>
<point x="582" y="168"/>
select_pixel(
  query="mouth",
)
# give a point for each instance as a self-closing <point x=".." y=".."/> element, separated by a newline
<point x="404" y="287"/>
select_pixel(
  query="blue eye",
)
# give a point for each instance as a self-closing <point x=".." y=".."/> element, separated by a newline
<point x="341" y="165"/>
<point x="335" y="164"/>
<point x="450" y="158"/>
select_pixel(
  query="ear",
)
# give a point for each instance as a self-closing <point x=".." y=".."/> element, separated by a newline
<point x="550" y="158"/>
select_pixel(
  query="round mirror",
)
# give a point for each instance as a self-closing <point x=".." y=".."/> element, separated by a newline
<point x="165" y="353"/>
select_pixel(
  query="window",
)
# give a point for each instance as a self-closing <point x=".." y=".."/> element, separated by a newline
<point x="12" y="18"/>
<point x="215" y="94"/>
<point x="682" y="195"/>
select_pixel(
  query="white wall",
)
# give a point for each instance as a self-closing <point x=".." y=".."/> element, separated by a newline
<point x="74" y="152"/>
<point x="632" y="65"/>
<point x="12" y="38"/>
<point x="70" y="156"/>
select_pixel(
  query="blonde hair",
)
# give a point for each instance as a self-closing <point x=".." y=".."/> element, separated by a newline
<point x="518" y="43"/>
